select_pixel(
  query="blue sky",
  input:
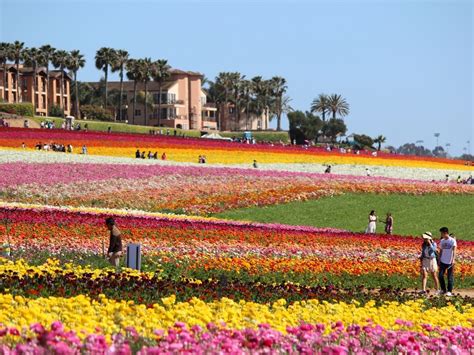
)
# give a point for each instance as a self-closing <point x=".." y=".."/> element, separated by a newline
<point x="405" y="67"/>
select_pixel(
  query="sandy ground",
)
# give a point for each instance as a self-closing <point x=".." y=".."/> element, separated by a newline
<point x="19" y="123"/>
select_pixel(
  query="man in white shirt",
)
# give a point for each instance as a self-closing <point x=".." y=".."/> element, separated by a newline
<point x="447" y="259"/>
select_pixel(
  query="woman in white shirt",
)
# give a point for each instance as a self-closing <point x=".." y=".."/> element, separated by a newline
<point x="372" y="223"/>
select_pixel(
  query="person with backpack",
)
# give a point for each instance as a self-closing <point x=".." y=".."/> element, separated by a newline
<point x="428" y="261"/>
<point x="446" y="260"/>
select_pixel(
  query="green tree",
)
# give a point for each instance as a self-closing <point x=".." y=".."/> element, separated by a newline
<point x="363" y="140"/>
<point x="120" y="64"/>
<point x="32" y="57"/>
<point x="76" y="62"/>
<point x="4" y="56"/>
<point x="161" y="73"/>
<point x="61" y="60"/>
<point x="321" y="105"/>
<point x="215" y="94"/>
<point x="135" y="73"/>
<point x="380" y="139"/>
<point x="147" y="71"/>
<point x="334" y="128"/>
<point x="104" y="59"/>
<point x="279" y="87"/>
<point x="236" y="82"/>
<point x="47" y="53"/>
<point x="224" y="82"/>
<point x="338" y="105"/>
<point x="16" y="55"/>
<point x="246" y="89"/>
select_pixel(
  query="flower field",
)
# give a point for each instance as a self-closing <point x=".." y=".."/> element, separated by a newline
<point x="210" y="285"/>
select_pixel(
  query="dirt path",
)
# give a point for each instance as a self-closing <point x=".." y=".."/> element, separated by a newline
<point x="15" y="122"/>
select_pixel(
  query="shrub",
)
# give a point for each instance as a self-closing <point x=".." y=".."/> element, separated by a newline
<point x="56" y="111"/>
<point x="98" y="113"/>
<point x="21" y="109"/>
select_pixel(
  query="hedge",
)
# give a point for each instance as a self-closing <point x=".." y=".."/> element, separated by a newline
<point x="96" y="113"/>
<point x="20" y="109"/>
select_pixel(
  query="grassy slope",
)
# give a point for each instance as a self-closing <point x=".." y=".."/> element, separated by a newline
<point x="412" y="214"/>
<point x="122" y="127"/>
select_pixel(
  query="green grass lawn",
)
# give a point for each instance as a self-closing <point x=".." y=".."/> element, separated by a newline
<point x="128" y="128"/>
<point x="413" y="215"/>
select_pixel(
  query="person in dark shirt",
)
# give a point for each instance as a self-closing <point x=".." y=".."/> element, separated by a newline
<point x="114" y="252"/>
<point x="137" y="154"/>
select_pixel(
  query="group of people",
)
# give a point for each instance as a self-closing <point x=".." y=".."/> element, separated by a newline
<point x="47" y="124"/>
<point x="467" y="181"/>
<point x="56" y="147"/>
<point x="438" y="262"/>
<point x="150" y="155"/>
<point x="372" y="226"/>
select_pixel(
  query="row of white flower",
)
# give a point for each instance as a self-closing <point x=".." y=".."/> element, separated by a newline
<point x="10" y="156"/>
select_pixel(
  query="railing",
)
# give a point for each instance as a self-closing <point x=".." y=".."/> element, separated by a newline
<point x="210" y="105"/>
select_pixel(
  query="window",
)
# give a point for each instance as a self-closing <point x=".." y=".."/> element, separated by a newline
<point x="138" y="112"/>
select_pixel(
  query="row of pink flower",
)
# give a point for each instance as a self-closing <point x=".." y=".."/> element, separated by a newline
<point x="19" y="173"/>
<point x="305" y="339"/>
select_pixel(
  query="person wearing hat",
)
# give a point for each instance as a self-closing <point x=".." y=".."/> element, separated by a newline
<point x="115" y="243"/>
<point x="428" y="261"/>
<point x="447" y="256"/>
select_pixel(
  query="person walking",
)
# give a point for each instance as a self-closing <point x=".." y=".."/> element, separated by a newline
<point x="447" y="258"/>
<point x="255" y="164"/>
<point x="428" y="264"/>
<point x="388" y="223"/>
<point x="372" y="223"/>
<point x="114" y="252"/>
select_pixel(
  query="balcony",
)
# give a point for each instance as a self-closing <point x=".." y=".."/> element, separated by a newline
<point x="209" y="107"/>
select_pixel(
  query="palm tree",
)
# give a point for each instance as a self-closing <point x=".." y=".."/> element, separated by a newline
<point x="379" y="140"/>
<point x="121" y="59"/>
<point x="16" y="55"/>
<point x="134" y="72"/>
<point x="61" y="60"/>
<point x="321" y="104"/>
<point x="32" y="57"/>
<point x="216" y="95"/>
<point x="235" y="83"/>
<point x="224" y="83"/>
<point x="338" y="105"/>
<point x="104" y="58"/>
<point x="278" y="86"/>
<point x="4" y="55"/>
<point x="246" y="88"/>
<point x="76" y="62"/>
<point x="263" y="98"/>
<point x="257" y="83"/>
<point x="161" y="72"/>
<point x="147" y="71"/>
<point x="47" y="53"/>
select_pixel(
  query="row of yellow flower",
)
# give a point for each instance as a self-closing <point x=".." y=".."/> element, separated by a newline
<point x="216" y="156"/>
<point x="84" y="314"/>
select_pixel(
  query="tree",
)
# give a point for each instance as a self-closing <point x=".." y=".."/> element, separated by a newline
<point x="119" y="64"/>
<point x="4" y="55"/>
<point x="439" y="152"/>
<point x="32" y="57"/>
<point x="338" y="105"/>
<point x="135" y="73"/>
<point x="104" y="58"/>
<point x="61" y="60"/>
<point x="379" y="140"/>
<point x="363" y="141"/>
<point x="304" y="126"/>
<point x="224" y="83"/>
<point x="147" y="70"/>
<point x="236" y="82"/>
<point x="161" y="73"/>
<point x="278" y="85"/>
<point x="16" y="55"/>
<point x="76" y="62"/>
<point x="246" y="99"/>
<point x="321" y="104"/>
<point x="334" y="128"/>
<point x="215" y="94"/>
<point x="47" y="53"/>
